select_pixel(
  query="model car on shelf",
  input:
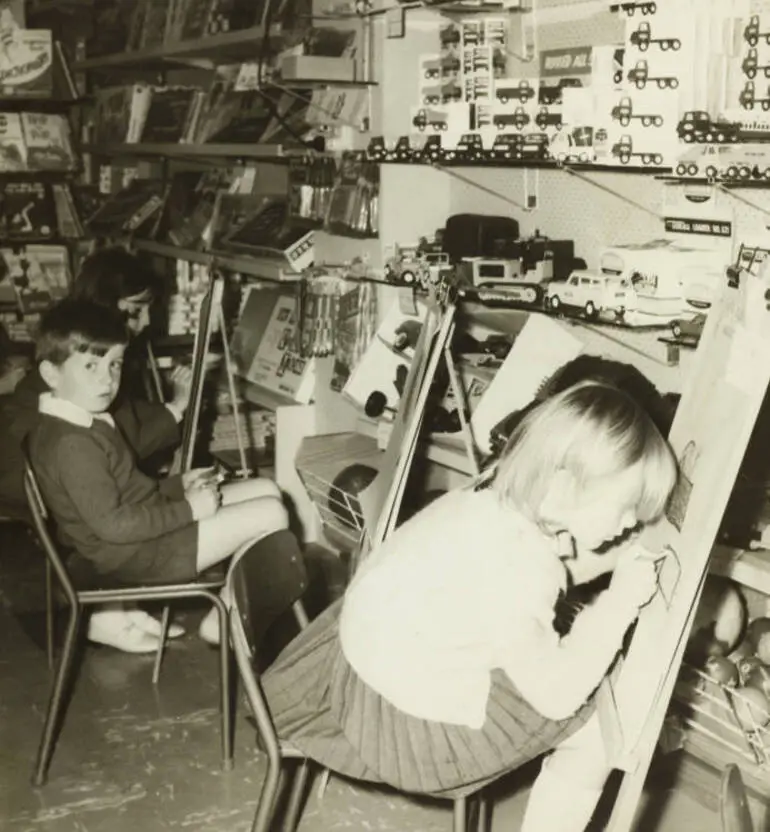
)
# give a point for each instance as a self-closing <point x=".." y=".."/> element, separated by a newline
<point x="742" y="162"/>
<point x="377" y="150"/>
<point x="567" y="146"/>
<point x="432" y="151"/>
<point x="624" y="150"/>
<point x="698" y="126"/>
<point x="441" y="67"/>
<point x="546" y="118"/>
<point x="519" y="119"/>
<point x="522" y="91"/>
<point x="751" y="33"/>
<point x="501" y="276"/>
<point x="506" y="147"/>
<point x="751" y="65"/>
<point x="623" y="112"/>
<point x="748" y="97"/>
<point x="688" y="328"/>
<point x="643" y="39"/>
<point x="534" y="146"/>
<point x="411" y="264"/>
<point x="435" y="119"/>
<point x="449" y="35"/>
<point x="631" y="8"/>
<point x="402" y="150"/>
<point x="698" y="161"/>
<point x="639" y="75"/>
<point x="469" y="148"/>
<point x="592" y="292"/>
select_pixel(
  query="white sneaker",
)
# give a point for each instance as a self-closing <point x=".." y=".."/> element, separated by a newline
<point x="209" y="628"/>
<point x="116" y="629"/>
<point x="145" y="622"/>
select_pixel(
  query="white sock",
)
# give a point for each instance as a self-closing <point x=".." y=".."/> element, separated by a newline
<point x="559" y="805"/>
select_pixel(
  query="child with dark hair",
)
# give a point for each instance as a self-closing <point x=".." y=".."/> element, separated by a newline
<point x="124" y="526"/>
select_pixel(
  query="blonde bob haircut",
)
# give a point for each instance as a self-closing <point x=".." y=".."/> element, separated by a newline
<point x="592" y="430"/>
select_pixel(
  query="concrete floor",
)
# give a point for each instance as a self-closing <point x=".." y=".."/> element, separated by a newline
<point x="136" y="757"/>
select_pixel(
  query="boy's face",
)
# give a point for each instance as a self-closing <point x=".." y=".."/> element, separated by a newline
<point x="86" y="379"/>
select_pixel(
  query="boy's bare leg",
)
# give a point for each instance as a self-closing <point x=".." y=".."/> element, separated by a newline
<point x="241" y="490"/>
<point x="235" y="524"/>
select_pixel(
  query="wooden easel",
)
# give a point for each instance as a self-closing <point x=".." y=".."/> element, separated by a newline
<point x="211" y="312"/>
<point x="711" y="431"/>
<point x="713" y="424"/>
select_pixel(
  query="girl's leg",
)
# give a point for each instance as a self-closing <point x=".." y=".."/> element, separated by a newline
<point x="570" y="783"/>
<point x="233" y="525"/>
<point x="241" y="490"/>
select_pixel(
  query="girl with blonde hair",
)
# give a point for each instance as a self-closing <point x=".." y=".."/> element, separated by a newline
<point x="440" y="669"/>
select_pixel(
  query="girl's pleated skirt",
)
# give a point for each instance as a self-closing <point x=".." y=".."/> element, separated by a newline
<point x="323" y="709"/>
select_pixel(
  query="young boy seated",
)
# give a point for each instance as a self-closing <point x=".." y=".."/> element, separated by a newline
<point x="122" y="525"/>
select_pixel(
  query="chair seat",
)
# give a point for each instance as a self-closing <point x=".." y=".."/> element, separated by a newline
<point x="86" y="580"/>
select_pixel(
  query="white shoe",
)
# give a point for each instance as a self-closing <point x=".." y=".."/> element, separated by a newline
<point x="145" y="622"/>
<point x="116" y="629"/>
<point x="209" y="628"/>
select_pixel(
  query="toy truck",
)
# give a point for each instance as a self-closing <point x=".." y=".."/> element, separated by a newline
<point x="522" y="91"/>
<point x="436" y="67"/>
<point x="545" y="118"/>
<point x="436" y="119"/>
<point x="750" y="65"/>
<point x="431" y="151"/>
<point x="630" y="8"/>
<point x="748" y="97"/>
<point x="751" y="33"/>
<point x="519" y="119"/>
<point x="697" y="126"/>
<point x="469" y="148"/>
<point x="442" y="93"/>
<point x="640" y="76"/>
<point x="624" y="150"/>
<point x="642" y="38"/>
<point x="623" y="112"/>
<point x="534" y="146"/>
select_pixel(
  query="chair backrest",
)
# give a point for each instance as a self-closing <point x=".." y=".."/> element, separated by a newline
<point x="264" y="581"/>
<point x="733" y="802"/>
<point x="42" y="523"/>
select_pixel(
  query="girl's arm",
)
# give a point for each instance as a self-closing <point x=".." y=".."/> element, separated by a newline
<point x="557" y="675"/>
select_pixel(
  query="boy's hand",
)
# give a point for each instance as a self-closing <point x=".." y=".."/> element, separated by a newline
<point x="181" y="382"/>
<point x="199" y="478"/>
<point x="204" y="502"/>
<point x="635" y="578"/>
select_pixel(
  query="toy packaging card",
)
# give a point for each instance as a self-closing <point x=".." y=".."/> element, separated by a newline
<point x="26" y="60"/>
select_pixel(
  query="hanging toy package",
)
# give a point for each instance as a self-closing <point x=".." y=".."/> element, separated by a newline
<point x="354" y="204"/>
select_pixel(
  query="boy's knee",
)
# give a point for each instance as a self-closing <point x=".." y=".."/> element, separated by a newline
<point x="273" y="515"/>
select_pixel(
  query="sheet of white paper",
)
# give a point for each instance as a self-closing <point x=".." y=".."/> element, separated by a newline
<point x="540" y="349"/>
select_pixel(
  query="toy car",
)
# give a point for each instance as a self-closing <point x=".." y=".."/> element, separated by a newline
<point x="750" y="65"/>
<point x="751" y="33"/>
<point x="518" y="119"/>
<point x="688" y="327"/>
<point x="593" y="292"/>
<point x="642" y="38"/>
<point x="640" y="75"/>
<point x="436" y="119"/>
<point x="624" y="112"/>
<point x="523" y="91"/>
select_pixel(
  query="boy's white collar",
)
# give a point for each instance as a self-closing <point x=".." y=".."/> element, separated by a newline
<point x="69" y="412"/>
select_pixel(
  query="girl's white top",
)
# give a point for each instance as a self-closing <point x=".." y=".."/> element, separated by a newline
<point x="466" y="586"/>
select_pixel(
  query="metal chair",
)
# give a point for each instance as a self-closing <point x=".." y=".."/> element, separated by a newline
<point x="733" y="802"/>
<point x="267" y="581"/>
<point x="78" y="598"/>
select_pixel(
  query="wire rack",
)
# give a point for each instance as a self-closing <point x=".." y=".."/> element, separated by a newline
<point x="339" y="511"/>
<point x="724" y="715"/>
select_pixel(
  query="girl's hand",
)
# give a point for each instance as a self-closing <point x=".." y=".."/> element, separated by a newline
<point x="204" y="502"/>
<point x="635" y="578"/>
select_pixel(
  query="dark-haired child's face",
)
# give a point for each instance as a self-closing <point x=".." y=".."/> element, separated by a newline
<point x="87" y="379"/>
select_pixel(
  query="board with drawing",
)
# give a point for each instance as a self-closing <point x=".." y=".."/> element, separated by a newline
<point x="714" y="421"/>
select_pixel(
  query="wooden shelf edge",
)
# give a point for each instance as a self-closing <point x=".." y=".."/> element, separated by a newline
<point x="229" y="151"/>
<point x="747" y="567"/>
<point x="259" y="395"/>
<point x="252" y="266"/>
<point x="211" y="46"/>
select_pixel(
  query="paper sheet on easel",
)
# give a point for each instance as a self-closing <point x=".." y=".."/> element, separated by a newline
<point x="541" y="348"/>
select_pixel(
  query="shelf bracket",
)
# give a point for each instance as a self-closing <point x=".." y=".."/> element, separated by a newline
<point x="491" y="191"/>
<point x="731" y="193"/>
<point x="608" y="190"/>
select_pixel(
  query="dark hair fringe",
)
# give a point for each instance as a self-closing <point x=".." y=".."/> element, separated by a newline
<point x="78" y="325"/>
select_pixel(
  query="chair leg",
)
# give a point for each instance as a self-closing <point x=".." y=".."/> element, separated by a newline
<point x="164" y="622"/>
<point x="226" y="705"/>
<point x="58" y="694"/>
<point x="268" y="798"/>
<point x="50" y="635"/>
<point x="482" y="824"/>
<point x="460" y="815"/>
<point x="294" y="806"/>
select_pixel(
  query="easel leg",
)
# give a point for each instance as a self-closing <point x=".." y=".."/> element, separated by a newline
<point x="233" y="394"/>
<point x="462" y="405"/>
